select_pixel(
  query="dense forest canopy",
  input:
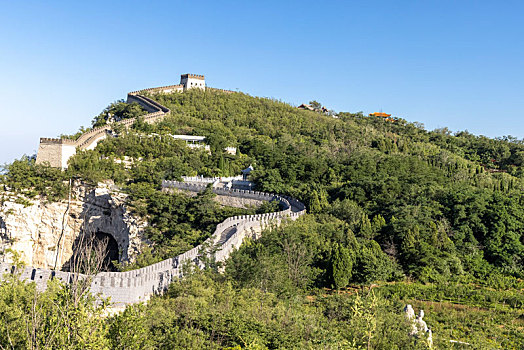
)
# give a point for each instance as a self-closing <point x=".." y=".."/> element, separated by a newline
<point x="388" y="202"/>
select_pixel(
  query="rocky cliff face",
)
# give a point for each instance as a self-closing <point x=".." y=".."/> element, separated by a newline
<point x="44" y="233"/>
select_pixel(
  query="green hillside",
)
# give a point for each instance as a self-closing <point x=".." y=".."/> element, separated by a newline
<point x="397" y="215"/>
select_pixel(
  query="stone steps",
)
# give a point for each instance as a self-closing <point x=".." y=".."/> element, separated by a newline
<point x="226" y="235"/>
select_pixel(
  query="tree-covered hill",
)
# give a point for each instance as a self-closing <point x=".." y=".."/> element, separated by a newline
<point x="425" y="216"/>
<point x="438" y="204"/>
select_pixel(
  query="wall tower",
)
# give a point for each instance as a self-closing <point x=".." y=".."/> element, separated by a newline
<point x="192" y="81"/>
<point x="55" y="151"/>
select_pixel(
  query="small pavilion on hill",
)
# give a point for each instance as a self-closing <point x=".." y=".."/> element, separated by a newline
<point x="380" y="114"/>
<point x="384" y="116"/>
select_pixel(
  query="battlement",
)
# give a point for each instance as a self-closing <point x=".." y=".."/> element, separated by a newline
<point x="49" y="140"/>
<point x="193" y="81"/>
<point x="221" y="90"/>
<point x="193" y="76"/>
<point x="156" y="90"/>
<point x="58" y="155"/>
<point x="57" y="152"/>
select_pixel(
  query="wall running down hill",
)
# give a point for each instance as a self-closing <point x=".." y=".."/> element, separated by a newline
<point x="58" y="151"/>
<point x="138" y="285"/>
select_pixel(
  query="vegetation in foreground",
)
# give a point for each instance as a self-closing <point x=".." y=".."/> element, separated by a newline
<point x="208" y="310"/>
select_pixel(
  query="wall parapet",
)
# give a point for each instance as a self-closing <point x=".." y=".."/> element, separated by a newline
<point x="193" y="76"/>
<point x="210" y="179"/>
<point x="221" y="90"/>
<point x="155" y="89"/>
<point x="156" y="112"/>
<point x="57" y="140"/>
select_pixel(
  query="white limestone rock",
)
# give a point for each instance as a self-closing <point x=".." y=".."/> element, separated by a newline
<point x="44" y="233"/>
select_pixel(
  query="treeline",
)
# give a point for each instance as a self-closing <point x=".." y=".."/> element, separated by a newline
<point x="203" y="311"/>
<point x="273" y="309"/>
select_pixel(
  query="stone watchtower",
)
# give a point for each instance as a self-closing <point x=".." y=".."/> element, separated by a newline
<point x="191" y="81"/>
<point x="55" y="151"/>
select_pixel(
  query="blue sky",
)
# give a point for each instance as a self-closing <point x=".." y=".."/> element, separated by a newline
<point x="455" y="64"/>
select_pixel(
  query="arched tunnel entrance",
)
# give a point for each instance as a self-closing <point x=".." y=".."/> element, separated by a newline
<point x="111" y="250"/>
<point x="93" y="253"/>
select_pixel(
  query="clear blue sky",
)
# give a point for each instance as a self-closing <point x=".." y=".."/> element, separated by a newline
<point x="458" y="64"/>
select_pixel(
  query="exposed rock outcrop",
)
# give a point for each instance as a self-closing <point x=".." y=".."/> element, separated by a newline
<point x="419" y="328"/>
<point x="44" y="233"/>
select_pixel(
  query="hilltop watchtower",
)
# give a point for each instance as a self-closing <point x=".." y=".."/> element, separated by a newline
<point x="192" y="81"/>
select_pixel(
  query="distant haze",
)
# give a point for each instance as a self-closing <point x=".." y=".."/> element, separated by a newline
<point x="444" y="64"/>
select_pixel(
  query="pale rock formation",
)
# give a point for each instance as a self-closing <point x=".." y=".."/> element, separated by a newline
<point x="44" y="233"/>
<point x="419" y="328"/>
<point x="409" y="312"/>
<point x="420" y="323"/>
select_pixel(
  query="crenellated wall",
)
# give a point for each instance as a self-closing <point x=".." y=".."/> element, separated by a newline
<point x="161" y="89"/>
<point x="138" y="285"/>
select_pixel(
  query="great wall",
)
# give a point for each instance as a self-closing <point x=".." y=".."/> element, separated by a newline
<point x="138" y="285"/>
<point x="58" y="151"/>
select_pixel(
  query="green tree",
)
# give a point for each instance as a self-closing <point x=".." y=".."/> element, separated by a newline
<point x="117" y="111"/>
<point x="366" y="229"/>
<point x="315" y="104"/>
<point x="129" y="330"/>
<point x="342" y="265"/>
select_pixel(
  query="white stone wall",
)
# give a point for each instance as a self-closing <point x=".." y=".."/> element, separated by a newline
<point x="192" y="83"/>
<point x="67" y="152"/>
